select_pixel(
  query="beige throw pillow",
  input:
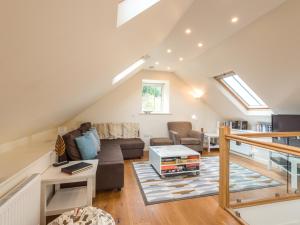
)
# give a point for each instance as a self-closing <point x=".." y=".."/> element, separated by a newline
<point x="115" y="130"/>
<point x="131" y="130"/>
<point x="102" y="129"/>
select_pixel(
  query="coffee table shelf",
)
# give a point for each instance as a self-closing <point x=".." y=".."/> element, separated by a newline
<point x="177" y="153"/>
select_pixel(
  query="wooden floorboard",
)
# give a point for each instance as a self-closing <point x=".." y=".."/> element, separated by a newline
<point x="128" y="208"/>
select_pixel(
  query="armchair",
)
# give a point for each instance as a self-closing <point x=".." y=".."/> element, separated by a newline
<point x="181" y="133"/>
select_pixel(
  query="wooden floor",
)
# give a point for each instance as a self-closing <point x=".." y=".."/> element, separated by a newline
<point x="128" y="208"/>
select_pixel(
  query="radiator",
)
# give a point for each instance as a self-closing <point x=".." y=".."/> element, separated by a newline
<point x="21" y="205"/>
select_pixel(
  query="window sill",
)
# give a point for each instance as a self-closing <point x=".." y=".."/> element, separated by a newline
<point x="155" y="113"/>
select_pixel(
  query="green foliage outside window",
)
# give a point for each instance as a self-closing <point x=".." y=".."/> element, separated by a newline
<point x="151" y="90"/>
<point x="152" y="97"/>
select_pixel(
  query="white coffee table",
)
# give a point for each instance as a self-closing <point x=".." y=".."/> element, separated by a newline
<point x="174" y="159"/>
<point x="69" y="198"/>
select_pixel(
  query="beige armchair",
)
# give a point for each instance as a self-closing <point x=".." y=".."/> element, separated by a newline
<point x="181" y="133"/>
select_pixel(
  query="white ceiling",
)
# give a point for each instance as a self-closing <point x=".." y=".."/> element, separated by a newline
<point x="59" y="56"/>
<point x="210" y="23"/>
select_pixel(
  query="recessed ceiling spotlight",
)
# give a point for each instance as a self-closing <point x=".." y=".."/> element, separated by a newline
<point x="200" y="45"/>
<point x="157" y="63"/>
<point x="234" y="19"/>
<point x="169" y="50"/>
<point x="188" y="31"/>
<point x="168" y="68"/>
<point x="180" y="59"/>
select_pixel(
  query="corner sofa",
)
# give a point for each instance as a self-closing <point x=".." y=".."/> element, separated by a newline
<point x="110" y="172"/>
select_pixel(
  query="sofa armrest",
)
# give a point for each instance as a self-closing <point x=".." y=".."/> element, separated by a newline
<point x="174" y="137"/>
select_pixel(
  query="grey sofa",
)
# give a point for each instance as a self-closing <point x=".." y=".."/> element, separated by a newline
<point x="181" y="133"/>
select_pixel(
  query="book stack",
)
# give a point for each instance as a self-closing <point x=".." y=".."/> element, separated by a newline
<point x="76" y="168"/>
<point x="179" y="168"/>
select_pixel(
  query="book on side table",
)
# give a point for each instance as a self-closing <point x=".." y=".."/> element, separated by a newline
<point x="76" y="168"/>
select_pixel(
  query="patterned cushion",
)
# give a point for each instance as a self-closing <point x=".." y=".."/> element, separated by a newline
<point x="130" y="130"/>
<point x="102" y="129"/>
<point x="88" y="215"/>
<point x="115" y="130"/>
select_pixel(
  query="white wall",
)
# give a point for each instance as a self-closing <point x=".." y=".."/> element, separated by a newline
<point x="124" y="105"/>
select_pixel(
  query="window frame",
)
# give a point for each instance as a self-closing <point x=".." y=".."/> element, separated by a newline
<point x="220" y="79"/>
<point x="165" y="95"/>
<point x="129" y="9"/>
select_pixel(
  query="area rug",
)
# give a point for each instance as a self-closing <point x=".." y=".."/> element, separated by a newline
<point x="156" y="190"/>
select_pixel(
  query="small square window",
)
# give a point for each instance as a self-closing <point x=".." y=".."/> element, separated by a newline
<point x="241" y="91"/>
<point x="155" y="96"/>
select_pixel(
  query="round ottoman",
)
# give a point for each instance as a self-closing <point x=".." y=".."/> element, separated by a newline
<point x="84" y="216"/>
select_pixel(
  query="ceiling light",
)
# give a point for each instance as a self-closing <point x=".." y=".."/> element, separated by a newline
<point x="188" y="31"/>
<point x="168" y="68"/>
<point x="180" y="59"/>
<point x="234" y="19"/>
<point x="157" y="63"/>
<point x="200" y="45"/>
<point x="197" y="93"/>
<point x="169" y="50"/>
<point x="128" y="70"/>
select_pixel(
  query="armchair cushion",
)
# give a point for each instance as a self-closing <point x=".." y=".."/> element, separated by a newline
<point x="190" y="141"/>
<point x="196" y="134"/>
<point x="182" y="128"/>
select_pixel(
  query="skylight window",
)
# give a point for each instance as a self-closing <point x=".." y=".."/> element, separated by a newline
<point x="241" y="91"/>
<point x="128" y="70"/>
<point x="128" y="9"/>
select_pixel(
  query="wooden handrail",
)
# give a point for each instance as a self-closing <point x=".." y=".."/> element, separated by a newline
<point x="266" y="145"/>
<point x="271" y="134"/>
<point x="225" y="138"/>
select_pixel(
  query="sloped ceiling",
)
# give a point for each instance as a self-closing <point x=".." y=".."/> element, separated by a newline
<point x="263" y="48"/>
<point x="59" y="56"/>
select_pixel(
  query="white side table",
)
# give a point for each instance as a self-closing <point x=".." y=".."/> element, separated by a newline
<point x="69" y="198"/>
<point x="207" y="139"/>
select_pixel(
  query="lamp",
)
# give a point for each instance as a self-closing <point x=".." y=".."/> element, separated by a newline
<point x="197" y="93"/>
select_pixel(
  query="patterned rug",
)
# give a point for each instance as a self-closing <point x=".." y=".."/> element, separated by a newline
<point x="156" y="190"/>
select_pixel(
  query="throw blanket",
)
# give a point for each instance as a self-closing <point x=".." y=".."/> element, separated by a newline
<point x="117" y="130"/>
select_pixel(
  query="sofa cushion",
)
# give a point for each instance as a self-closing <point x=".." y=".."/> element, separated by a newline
<point x="87" y="145"/>
<point x="131" y="130"/>
<point x="160" y="141"/>
<point x="131" y="143"/>
<point x="115" y="130"/>
<point x="71" y="146"/>
<point x="190" y="141"/>
<point x="110" y="152"/>
<point x="84" y="127"/>
<point x="95" y="133"/>
<point x="102" y="129"/>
